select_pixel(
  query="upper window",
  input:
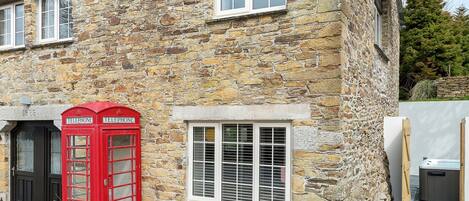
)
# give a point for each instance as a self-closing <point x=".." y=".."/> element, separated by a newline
<point x="228" y="8"/>
<point x="12" y="26"/>
<point x="239" y="161"/>
<point x="55" y="20"/>
<point x="378" y="22"/>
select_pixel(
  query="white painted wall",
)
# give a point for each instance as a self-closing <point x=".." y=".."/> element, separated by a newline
<point x="435" y="129"/>
<point x="393" y="148"/>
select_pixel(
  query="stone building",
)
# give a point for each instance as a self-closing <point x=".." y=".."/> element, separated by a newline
<point x="304" y="84"/>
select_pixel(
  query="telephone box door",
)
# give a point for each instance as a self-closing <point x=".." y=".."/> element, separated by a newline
<point x="121" y="154"/>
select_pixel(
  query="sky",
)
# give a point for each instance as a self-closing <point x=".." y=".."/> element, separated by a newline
<point x="451" y="5"/>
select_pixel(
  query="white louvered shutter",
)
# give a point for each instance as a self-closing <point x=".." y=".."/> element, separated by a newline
<point x="272" y="163"/>
<point x="237" y="162"/>
<point x="203" y="163"/>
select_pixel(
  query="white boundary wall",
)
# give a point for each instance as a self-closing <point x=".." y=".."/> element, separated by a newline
<point x="393" y="149"/>
<point x="435" y="129"/>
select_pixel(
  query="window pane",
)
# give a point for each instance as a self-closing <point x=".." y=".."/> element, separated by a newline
<point x="63" y="16"/>
<point x="245" y="133"/>
<point x="198" y="152"/>
<point x="64" y="3"/>
<point x="47" y="18"/>
<point x="245" y="154"/>
<point x="229" y="153"/>
<point x="203" y="166"/>
<point x="237" y="168"/>
<point x="210" y="134"/>
<point x="277" y="3"/>
<point x="5" y="27"/>
<point x="19" y="24"/>
<point x="25" y="151"/>
<point x="229" y="173"/>
<point x="19" y="10"/>
<point x="226" y="4"/>
<point x="198" y="135"/>
<point x="121" y="140"/>
<point x="258" y="4"/>
<point x="272" y="170"/>
<point x="56" y="156"/>
<point x="239" y="3"/>
<point x="230" y="132"/>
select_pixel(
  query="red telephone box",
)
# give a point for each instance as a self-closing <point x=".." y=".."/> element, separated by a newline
<point x="101" y="153"/>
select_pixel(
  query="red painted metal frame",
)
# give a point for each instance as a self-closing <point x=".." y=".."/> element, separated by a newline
<point x="99" y="133"/>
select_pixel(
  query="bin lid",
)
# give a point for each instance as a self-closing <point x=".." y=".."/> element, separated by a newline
<point x="440" y="164"/>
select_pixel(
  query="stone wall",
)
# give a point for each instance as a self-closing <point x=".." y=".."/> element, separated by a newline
<point x="452" y="87"/>
<point x="369" y="93"/>
<point x="154" y="55"/>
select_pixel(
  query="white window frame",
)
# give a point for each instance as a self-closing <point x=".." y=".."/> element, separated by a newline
<point x="56" y="37"/>
<point x="12" y="44"/>
<point x="248" y="9"/>
<point x="256" y="159"/>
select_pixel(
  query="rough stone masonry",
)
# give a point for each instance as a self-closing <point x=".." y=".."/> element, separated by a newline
<point x="153" y="55"/>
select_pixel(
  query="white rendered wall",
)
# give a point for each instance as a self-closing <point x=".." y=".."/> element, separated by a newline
<point x="393" y="148"/>
<point x="435" y="129"/>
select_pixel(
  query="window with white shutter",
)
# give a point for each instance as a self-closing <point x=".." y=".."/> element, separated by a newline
<point x="239" y="161"/>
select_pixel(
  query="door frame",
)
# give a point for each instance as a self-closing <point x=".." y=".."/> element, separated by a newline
<point x="45" y="147"/>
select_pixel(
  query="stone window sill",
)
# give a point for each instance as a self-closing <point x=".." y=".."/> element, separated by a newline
<point x="13" y="49"/>
<point x="54" y="44"/>
<point x="381" y="53"/>
<point x="246" y="16"/>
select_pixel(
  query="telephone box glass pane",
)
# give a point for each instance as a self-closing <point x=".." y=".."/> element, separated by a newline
<point x="122" y="171"/>
<point x="78" y="167"/>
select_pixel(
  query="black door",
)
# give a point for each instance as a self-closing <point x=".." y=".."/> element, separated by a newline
<point x="36" y="162"/>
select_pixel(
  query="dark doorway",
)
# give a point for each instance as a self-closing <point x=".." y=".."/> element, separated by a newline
<point x="36" y="162"/>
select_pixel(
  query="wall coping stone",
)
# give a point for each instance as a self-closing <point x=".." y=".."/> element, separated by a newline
<point x="242" y="112"/>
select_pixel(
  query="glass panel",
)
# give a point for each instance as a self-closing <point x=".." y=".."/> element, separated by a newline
<point x="230" y="132"/>
<point x="122" y="192"/>
<point x="77" y="167"/>
<point x="121" y="179"/>
<point x="198" y="171"/>
<point x="274" y="3"/>
<point x="5" y="27"/>
<point x="77" y="180"/>
<point x="237" y="168"/>
<point x="55" y="155"/>
<point x="245" y="133"/>
<point x="121" y="166"/>
<point x="198" y="151"/>
<point x="209" y="134"/>
<point x="272" y="164"/>
<point x="19" y="24"/>
<point x="198" y="188"/>
<point x="266" y="135"/>
<point x="119" y="154"/>
<point x="47" y="18"/>
<point x="229" y="153"/>
<point x="198" y="134"/>
<point x="65" y="19"/>
<point x="239" y="4"/>
<point x="258" y="4"/>
<point x="77" y="193"/>
<point x="226" y="4"/>
<point x="25" y="150"/>
<point x="121" y="140"/>
<point x="203" y="169"/>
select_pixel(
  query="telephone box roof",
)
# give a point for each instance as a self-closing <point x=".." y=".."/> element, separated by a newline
<point x="99" y="106"/>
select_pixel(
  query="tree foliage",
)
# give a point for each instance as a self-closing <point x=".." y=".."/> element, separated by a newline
<point x="434" y="43"/>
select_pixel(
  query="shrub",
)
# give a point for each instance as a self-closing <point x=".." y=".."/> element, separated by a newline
<point x="425" y="89"/>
